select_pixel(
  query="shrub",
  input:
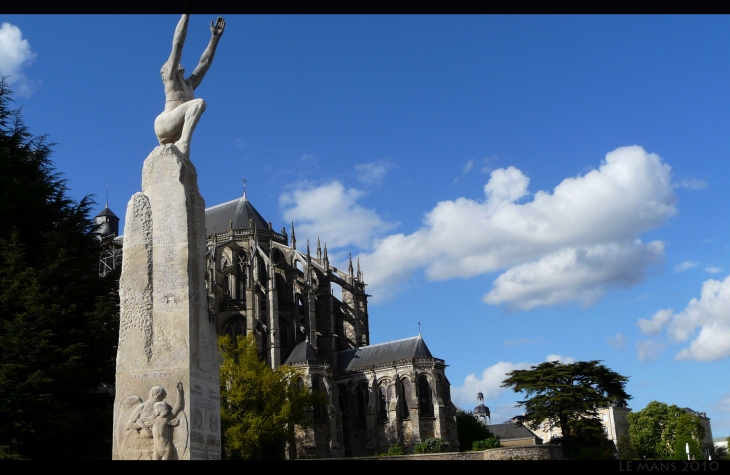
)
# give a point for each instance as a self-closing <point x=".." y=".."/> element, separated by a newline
<point x="431" y="446"/>
<point x="395" y="450"/>
<point x="490" y="443"/>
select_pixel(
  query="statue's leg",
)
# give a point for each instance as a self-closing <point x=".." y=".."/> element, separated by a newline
<point x="169" y="124"/>
<point x="194" y="109"/>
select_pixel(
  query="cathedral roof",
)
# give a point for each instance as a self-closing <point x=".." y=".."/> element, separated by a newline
<point x="218" y="218"/>
<point x="302" y="352"/>
<point x="406" y="349"/>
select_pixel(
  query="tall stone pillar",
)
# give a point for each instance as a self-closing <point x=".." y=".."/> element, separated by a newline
<point x="167" y="402"/>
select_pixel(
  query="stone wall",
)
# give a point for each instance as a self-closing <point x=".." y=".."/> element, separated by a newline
<point x="540" y="452"/>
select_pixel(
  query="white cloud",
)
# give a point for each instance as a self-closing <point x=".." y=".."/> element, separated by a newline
<point x="648" y="350"/>
<point x="373" y="173"/>
<point x="713" y="270"/>
<point x="572" y="244"/>
<point x="575" y="274"/>
<point x="332" y="212"/>
<point x="561" y="359"/>
<point x="15" y="54"/>
<point x="489" y="383"/>
<point x="711" y="314"/>
<point x="657" y="323"/>
<point x="617" y="341"/>
<point x="686" y="265"/>
<point x="691" y="184"/>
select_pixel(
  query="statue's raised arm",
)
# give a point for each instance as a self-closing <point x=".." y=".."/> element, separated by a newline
<point x="182" y="111"/>
<point x="216" y="30"/>
<point x="178" y="41"/>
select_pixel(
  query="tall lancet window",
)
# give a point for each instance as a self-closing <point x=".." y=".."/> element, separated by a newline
<point x="240" y="293"/>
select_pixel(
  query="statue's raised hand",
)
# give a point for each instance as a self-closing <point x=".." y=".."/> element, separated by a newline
<point x="217" y="28"/>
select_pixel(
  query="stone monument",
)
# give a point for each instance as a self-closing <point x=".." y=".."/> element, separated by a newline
<point x="167" y="341"/>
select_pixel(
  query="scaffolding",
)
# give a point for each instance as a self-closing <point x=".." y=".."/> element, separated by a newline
<point x="110" y="256"/>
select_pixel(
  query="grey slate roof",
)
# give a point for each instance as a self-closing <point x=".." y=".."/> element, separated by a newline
<point x="510" y="430"/>
<point x="301" y="353"/>
<point x="218" y="218"/>
<point x="408" y="348"/>
<point x="107" y="212"/>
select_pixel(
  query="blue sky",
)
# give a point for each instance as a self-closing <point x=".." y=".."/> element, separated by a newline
<point x="527" y="187"/>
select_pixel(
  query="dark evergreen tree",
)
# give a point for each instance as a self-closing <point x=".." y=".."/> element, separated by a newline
<point x="470" y="430"/>
<point x="58" y="319"/>
<point x="568" y="396"/>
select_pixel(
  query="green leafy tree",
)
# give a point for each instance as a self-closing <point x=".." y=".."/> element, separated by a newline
<point x="259" y="406"/>
<point x="469" y="429"/>
<point x="567" y="396"/>
<point x="58" y="319"/>
<point x="625" y="449"/>
<point x="657" y="429"/>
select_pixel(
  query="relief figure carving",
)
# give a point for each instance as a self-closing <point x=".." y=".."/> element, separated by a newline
<point x="154" y="430"/>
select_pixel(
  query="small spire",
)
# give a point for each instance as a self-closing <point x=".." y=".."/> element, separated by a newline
<point x="244" y="190"/>
<point x="349" y="266"/>
<point x="419" y="328"/>
<point x="293" y="237"/>
<point x="107" y="195"/>
<point x="326" y="259"/>
<point x="308" y="249"/>
<point x="319" y="250"/>
<point x="359" y="274"/>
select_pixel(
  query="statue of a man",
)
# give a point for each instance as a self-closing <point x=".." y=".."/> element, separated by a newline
<point x="176" y="124"/>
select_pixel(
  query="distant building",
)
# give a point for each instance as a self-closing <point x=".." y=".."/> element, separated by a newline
<point x="511" y="434"/>
<point x="614" y="419"/>
<point x="707" y="442"/>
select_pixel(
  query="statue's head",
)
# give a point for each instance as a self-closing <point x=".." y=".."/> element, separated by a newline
<point x="158" y="393"/>
<point x="180" y="71"/>
<point x="161" y="409"/>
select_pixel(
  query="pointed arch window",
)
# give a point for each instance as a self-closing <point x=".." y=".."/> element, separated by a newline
<point x="319" y="409"/>
<point x="235" y="328"/>
<point x="362" y="402"/>
<point x="382" y="404"/>
<point x="240" y="292"/>
<point x="405" y="397"/>
<point x="425" y="404"/>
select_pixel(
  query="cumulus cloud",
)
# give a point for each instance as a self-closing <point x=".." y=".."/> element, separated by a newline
<point x="15" y="54"/>
<point x="648" y="350"/>
<point x="572" y="244"/>
<point x="686" y="265"/>
<point x="489" y="383"/>
<point x="657" y="322"/>
<point x="711" y="315"/>
<point x="575" y="274"/>
<point x="691" y="184"/>
<point x="373" y="173"/>
<point x="331" y="211"/>
<point x="561" y="359"/>
<point x="617" y="341"/>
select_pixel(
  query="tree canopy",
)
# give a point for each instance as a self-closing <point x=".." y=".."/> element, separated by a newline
<point x="58" y="319"/>
<point x="660" y="431"/>
<point x="567" y="396"/>
<point x="259" y="406"/>
<point x="470" y="430"/>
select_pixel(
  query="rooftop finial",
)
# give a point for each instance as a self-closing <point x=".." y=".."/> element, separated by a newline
<point x="319" y="250"/>
<point x="349" y="266"/>
<point x="419" y="328"/>
<point x="244" y="188"/>
<point x="107" y="195"/>
<point x="293" y="237"/>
